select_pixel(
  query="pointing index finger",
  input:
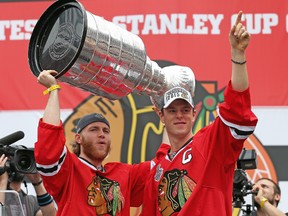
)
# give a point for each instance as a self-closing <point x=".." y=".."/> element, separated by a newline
<point x="238" y="20"/>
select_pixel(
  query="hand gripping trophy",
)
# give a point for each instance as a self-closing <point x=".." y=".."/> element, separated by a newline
<point x="98" y="56"/>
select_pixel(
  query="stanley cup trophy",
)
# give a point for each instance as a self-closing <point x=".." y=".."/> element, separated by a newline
<point x="97" y="56"/>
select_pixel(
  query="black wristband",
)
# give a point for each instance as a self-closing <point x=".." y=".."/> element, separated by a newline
<point x="44" y="199"/>
<point x="37" y="183"/>
<point x="240" y="63"/>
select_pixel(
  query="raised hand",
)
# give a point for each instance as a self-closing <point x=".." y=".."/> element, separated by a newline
<point x="47" y="79"/>
<point x="239" y="36"/>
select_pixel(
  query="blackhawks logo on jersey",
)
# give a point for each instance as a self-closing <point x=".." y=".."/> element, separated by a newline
<point x="173" y="191"/>
<point x="105" y="195"/>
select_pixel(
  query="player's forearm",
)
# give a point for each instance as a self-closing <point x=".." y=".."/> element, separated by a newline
<point x="239" y="79"/>
<point x="52" y="110"/>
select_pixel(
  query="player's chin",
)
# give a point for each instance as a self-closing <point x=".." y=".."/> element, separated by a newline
<point x="105" y="153"/>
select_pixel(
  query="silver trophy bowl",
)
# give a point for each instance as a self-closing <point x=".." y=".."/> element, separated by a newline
<point x="95" y="55"/>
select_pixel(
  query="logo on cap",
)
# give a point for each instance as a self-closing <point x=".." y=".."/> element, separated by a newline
<point x="177" y="93"/>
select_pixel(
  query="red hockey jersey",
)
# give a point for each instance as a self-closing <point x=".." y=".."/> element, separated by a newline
<point x="198" y="180"/>
<point x="78" y="187"/>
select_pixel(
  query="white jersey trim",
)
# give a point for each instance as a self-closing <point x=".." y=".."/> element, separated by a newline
<point x="248" y="130"/>
<point x="52" y="169"/>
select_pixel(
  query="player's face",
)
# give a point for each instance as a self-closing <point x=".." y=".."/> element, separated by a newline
<point x="95" y="141"/>
<point x="178" y="119"/>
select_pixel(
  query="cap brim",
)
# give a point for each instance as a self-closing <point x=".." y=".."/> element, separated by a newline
<point x="169" y="102"/>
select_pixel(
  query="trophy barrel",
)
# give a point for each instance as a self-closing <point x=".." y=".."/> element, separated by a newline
<point x="91" y="53"/>
<point x="95" y="55"/>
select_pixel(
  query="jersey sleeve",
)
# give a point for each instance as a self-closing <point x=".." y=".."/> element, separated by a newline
<point x="140" y="173"/>
<point x="52" y="157"/>
<point x="224" y="138"/>
<point x="236" y="112"/>
<point x="50" y="143"/>
<point x="138" y="176"/>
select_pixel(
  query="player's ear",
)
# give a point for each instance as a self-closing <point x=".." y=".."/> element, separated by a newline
<point x="277" y="197"/>
<point x="157" y="111"/>
<point x="77" y="138"/>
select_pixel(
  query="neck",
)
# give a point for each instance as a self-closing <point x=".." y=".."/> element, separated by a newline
<point x="96" y="163"/>
<point x="178" y="142"/>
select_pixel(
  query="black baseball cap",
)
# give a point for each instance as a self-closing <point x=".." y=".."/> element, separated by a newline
<point x="90" y="118"/>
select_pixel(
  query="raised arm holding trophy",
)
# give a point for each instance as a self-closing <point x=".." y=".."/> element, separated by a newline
<point x="95" y="55"/>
